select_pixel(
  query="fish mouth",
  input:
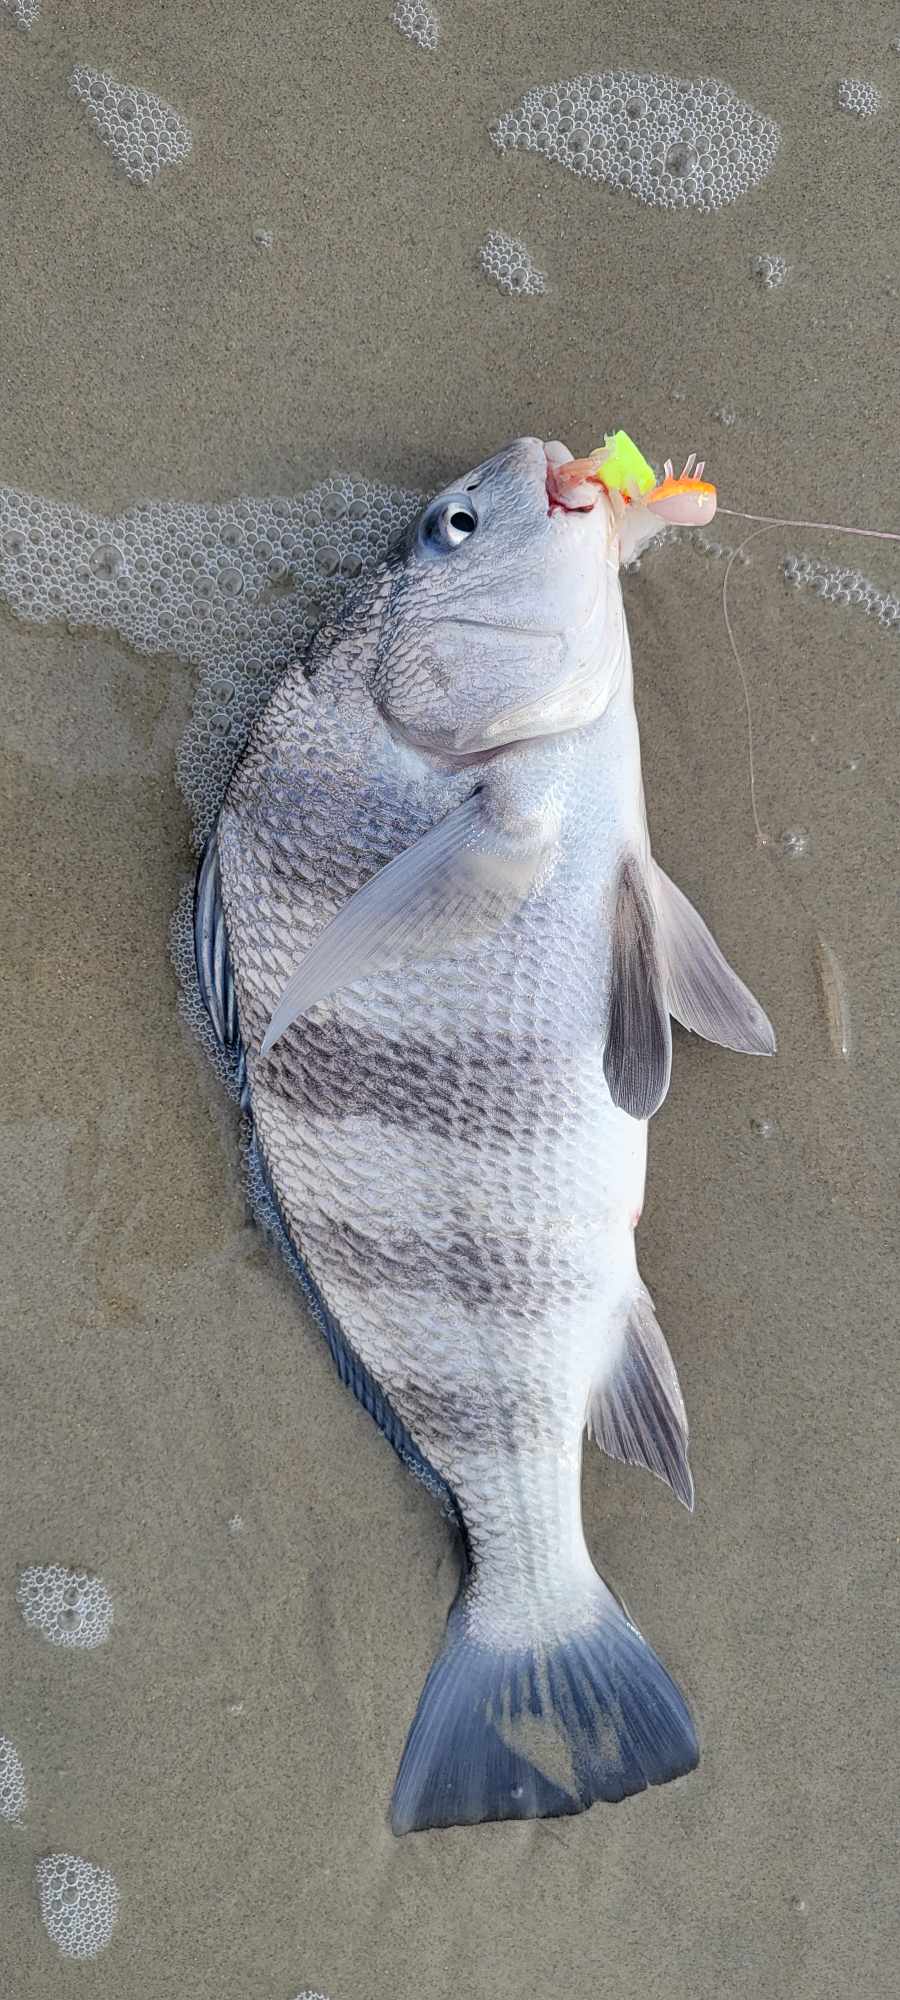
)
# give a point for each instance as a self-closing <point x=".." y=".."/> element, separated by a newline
<point x="564" y="494"/>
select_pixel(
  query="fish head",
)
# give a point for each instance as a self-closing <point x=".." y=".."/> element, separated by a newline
<point x="505" y="618"/>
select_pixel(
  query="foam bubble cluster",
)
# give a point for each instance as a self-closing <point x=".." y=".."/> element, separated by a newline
<point x="12" y="1782"/>
<point x="24" y="12"/>
<point x="235" y="590"/>
<point x="68" y="1606"/>
<point x="861" y="99"/>
<point x="693" y="540"/>
<point x="417" y="22"/>
<point x="141" y="132"/>
<point x="839" y="585"/>
<point x="669" y="142"/>
<point x="79" y="1904"/>
<point x="771" y="270"/>
<point x="507" y="261"/>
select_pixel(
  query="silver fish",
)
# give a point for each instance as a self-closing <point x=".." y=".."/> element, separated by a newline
<point x="430" y="929"/>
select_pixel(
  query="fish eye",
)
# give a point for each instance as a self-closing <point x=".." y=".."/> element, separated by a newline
<point x="450" y="523"/>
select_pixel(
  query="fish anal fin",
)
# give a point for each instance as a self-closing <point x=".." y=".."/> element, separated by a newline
<point x="704" y="992"/>
<point x="455" y="887"/>
<point x="637" y="1413"/>
<point x="637" y="1059"/>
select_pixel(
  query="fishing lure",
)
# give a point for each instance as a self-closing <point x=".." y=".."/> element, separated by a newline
<point x="617" y="466"/>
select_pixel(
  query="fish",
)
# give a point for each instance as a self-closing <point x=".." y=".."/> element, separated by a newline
<point x="431" y="935"/>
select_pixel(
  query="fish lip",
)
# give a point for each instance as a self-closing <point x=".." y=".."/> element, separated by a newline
<point x="561" y="455"/>
<point x="556" y="454"/>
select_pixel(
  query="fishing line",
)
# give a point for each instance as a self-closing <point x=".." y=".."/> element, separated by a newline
<point x="765" y="523"/>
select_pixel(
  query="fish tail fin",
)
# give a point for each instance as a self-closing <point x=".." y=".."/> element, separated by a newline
<point x="543" y="1728"/>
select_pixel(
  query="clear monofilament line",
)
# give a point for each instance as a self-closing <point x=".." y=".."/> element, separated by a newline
<point x="765" y="523"/>
<point x="827" y="527"/>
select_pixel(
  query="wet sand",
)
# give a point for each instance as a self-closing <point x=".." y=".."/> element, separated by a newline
<point x="159" y="1376"/>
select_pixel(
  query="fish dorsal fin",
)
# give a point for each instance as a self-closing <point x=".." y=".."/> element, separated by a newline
<point x="454" y="888"/>
<point x="637" y="1413"/>
<point x="704" y="993"/>
<point x="637" y="1059"/>
<point x="212" y="961"/>
<point x="211" y="954"/>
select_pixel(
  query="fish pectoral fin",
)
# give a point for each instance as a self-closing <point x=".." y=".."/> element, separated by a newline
<point x="704" y="992"/>
<point x="637" y="1059"/>
<point x="637" y="1412"/>
<point x="454" y="888"/>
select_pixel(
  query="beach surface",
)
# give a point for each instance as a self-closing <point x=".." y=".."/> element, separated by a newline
<point x="171" y="1419"/>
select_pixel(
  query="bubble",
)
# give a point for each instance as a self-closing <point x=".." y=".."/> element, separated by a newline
<point x="725" y="414"/>
<point x="70" y="1607"/>
<point x="764" y="1128"/>
<point x="24" y="12"/>
<point x="681" y="159"/>
<point x="79" y="1904"/>
<point x="417" y="22"/>
<point x="263" y="238"/>
<point x="794" y="843"/>
<point x="630" y="130"/>
<point x="142" y="133"/>
<point x="12" y="1782"/>
<point x="508" y="263"/>
<point x="107" y="562"/>
<point x="771" y="269"/>
<point x="839" y="584"/>
<point x="861" y="99"/>
<point x="235" y="1524"/>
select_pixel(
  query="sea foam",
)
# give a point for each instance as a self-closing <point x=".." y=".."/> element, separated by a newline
<point x="669" y="141"/>
<point x="79" y="1904"/>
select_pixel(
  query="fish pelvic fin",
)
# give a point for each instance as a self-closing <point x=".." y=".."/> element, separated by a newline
<point x="703" y="990"/>
<point x="637" y="1412"/>
<point x="637" y="1059"/>
<point x="542" y="1729"/>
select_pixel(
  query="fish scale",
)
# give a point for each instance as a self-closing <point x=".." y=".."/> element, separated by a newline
<point x="454" y="1128"/>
